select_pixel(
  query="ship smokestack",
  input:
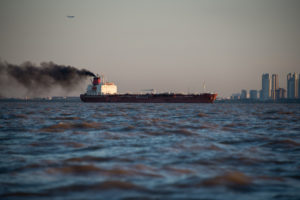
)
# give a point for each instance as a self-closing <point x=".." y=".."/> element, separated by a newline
<point x="96" y="80"/>
<point x="31" y="80"/>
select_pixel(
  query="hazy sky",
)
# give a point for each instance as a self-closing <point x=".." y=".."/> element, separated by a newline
<point x="167" y="45"/>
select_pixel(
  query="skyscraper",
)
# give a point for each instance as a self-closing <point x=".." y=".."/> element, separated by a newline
<point x="280" y="93"/>
<point x="292" y="86"/>
<point x="253" y="94"/>
<point x="299" y="87"/>
<point x="244" y="94"/>
<point x="266" y="89"/>
<point x="274" y="86"/>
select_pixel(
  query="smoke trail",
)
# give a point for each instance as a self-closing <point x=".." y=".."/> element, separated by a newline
<point x="31" y="80"/>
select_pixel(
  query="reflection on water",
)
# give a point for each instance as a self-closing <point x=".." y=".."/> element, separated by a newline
<point x="149" y="151"/>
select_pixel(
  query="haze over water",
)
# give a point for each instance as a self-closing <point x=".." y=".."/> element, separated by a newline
<point x="169" y="45"/>
<point x="73" y="150"/>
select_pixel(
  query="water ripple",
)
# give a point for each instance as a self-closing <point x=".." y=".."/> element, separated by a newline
<point x="62" y="150"/>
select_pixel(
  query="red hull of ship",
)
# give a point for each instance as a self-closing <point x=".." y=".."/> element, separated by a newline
<point x="150" y="98"/>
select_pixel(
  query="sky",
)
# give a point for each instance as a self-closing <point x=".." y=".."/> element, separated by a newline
<point x="167" y="45"/>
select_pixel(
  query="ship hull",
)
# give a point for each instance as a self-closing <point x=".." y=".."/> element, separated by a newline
<point x="150" y="98"/>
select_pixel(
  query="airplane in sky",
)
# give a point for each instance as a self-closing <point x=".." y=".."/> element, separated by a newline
<point x="70" y="16"/>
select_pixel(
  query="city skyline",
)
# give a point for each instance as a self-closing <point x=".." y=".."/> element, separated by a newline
<point x="164" y="45"/>
<point x="271" y="89"/>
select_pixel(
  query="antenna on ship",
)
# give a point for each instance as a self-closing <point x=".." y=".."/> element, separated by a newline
<point x="101" y="78"/>
<point x="204" y="86"/>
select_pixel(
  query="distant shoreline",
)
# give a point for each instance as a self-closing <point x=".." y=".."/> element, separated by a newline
<point x="53" y="99"/>
<point x="77" y="99"/>
<point x="258" y="101"/>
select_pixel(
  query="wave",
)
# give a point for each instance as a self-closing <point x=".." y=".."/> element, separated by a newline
<point x="63" y="126"/>
<point x="229" y="179"/>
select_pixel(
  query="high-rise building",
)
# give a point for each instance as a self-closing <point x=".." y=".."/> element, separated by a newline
<point x="266" y="89"/>
<point x="253" y="94"/>
<point x="244" y="94"/>
<point x="292" y="86"/>
<point x="299" y="87"/>
<point x="235" y="96"/>
<point x="274" y="86"/>
<point x="280" y="93"/>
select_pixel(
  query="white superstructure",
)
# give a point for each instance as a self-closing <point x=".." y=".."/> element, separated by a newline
<point x="99" y="87"/>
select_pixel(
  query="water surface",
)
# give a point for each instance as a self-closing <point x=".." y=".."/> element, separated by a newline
<point x="73" y="150"/>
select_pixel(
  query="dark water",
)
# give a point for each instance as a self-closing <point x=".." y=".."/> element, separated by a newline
<point x="149" y="151"/>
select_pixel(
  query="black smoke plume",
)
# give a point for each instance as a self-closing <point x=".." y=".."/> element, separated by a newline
<point x="33" y="81"/>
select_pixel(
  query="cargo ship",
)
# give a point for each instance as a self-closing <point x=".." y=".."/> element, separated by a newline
<point x="101" y="91"/>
